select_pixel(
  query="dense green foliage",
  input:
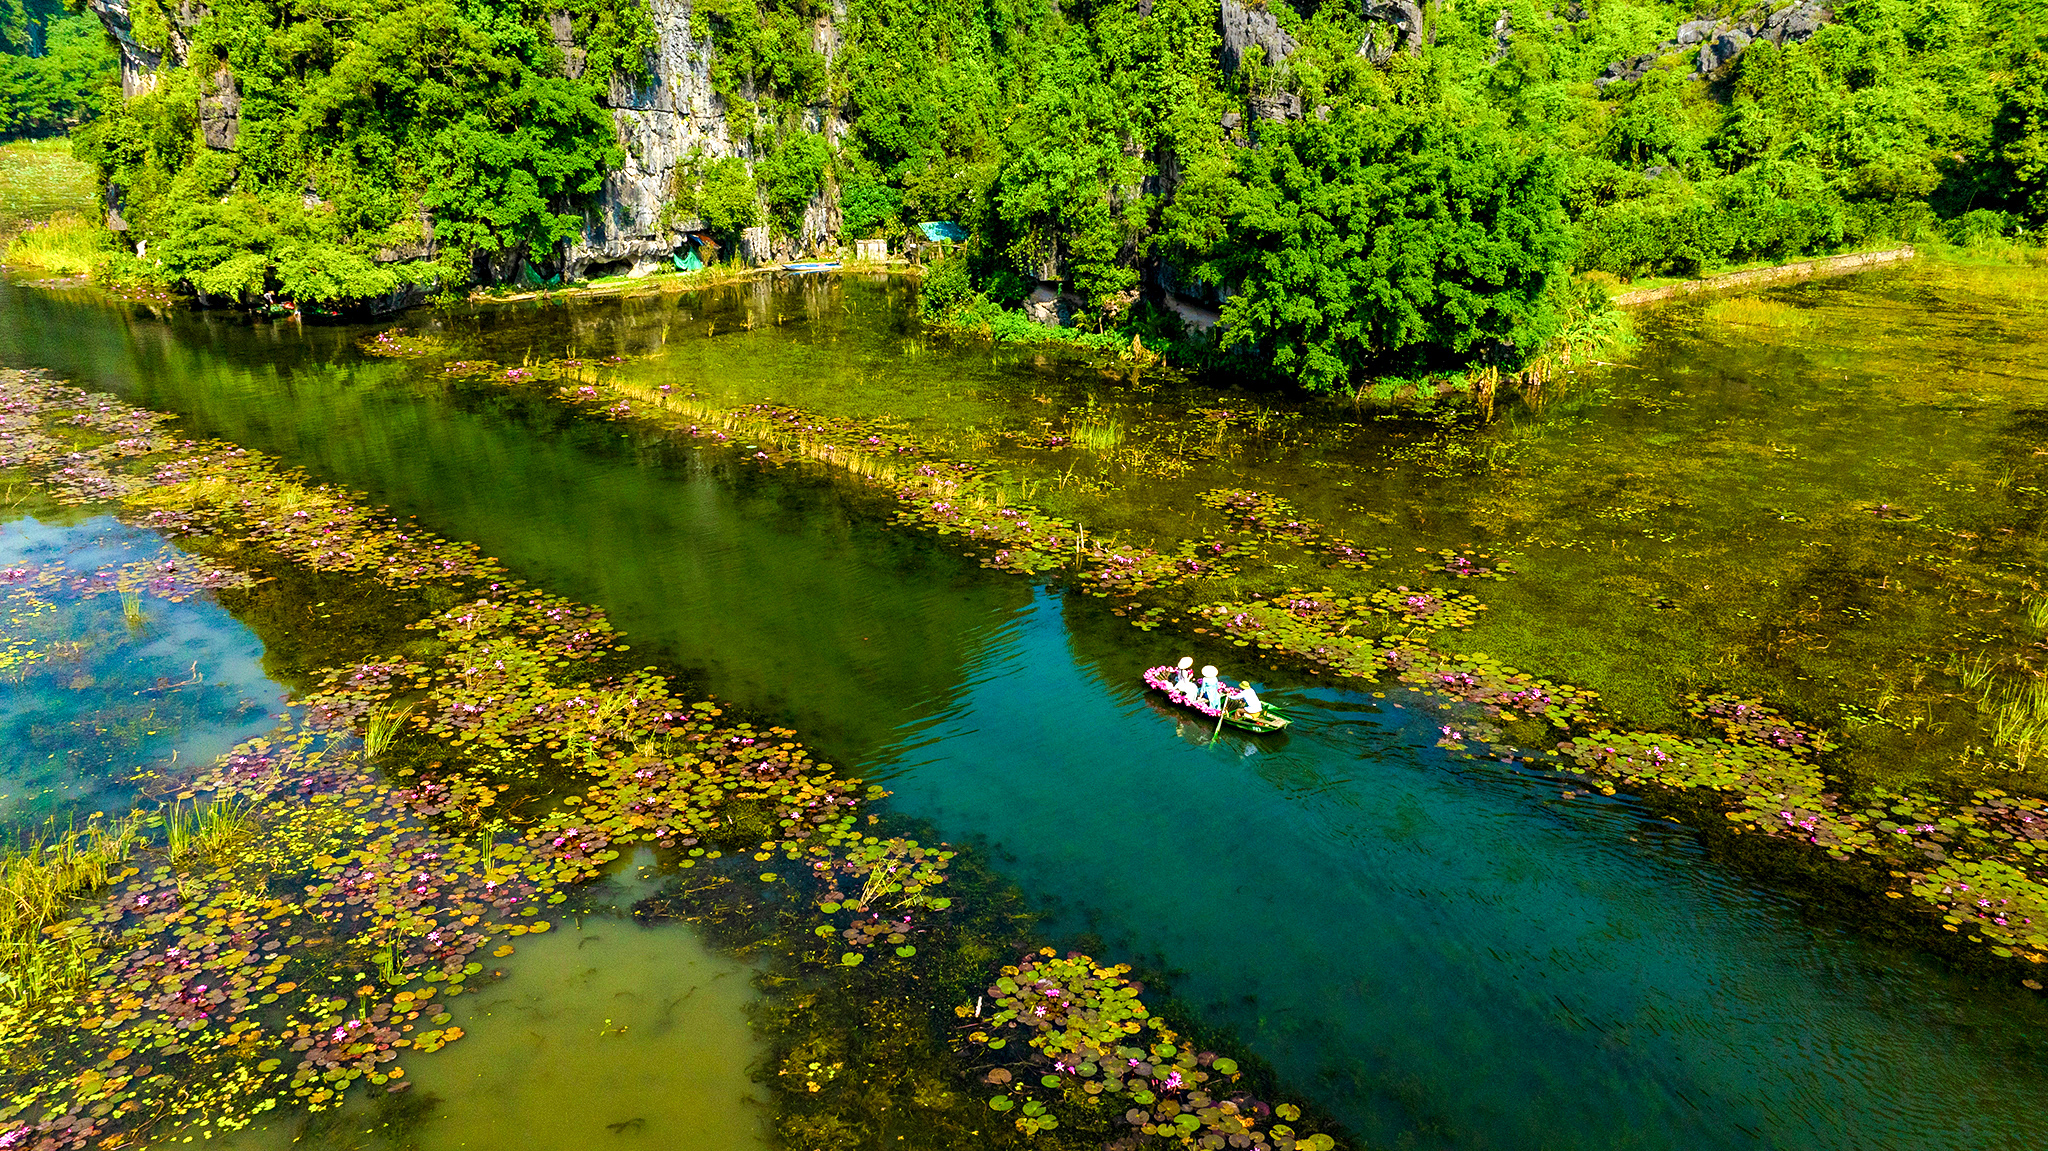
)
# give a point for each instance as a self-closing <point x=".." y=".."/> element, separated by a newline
<point x="1372" y="237"/>
<point x="55" y="69"/>
<point x="1896" y="121"/>
<point x="442" y="129"/>
<point x="1416" y="215"/>
<point x="1350" y="213"/>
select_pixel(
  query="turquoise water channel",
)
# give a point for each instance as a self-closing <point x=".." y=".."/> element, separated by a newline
<point x="1443" y="952"/>
<point x="107" y="695"/>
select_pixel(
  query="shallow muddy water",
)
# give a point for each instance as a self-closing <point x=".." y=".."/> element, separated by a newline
<point x="1443" y="952"/>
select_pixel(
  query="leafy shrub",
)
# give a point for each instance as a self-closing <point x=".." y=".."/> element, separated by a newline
<point x="49" y="91"/>
<point x="866" y="205"/>
<point x="358" y="124"/>
<point x="1365" y="243"/>
<point x="727" y="201"/>
<point x="947" y="287"/>
<point x="791" y="178"/>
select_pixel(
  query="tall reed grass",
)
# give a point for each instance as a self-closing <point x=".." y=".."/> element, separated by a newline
<point x="39" y="878"/>
<point x="2019" y="720"/>
<point x="205" y="832"/>
<point x="67" y="244"/>
<point x="382" y="728"/>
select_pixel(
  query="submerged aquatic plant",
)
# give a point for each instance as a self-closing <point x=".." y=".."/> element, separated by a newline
<point x="131" y="608"/>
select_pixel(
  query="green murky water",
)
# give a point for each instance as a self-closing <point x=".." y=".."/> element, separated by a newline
<point x="1828" y="498"/>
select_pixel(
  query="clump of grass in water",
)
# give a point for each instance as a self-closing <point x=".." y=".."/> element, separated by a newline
<point x="205" y="831"/>
<point x="1974" y="672"/>
<point x="1098" y="435"/>
<point x="131" y="608"/>
<point x="383" y="727"/>
<point x="2023" y="720"/>
<point x="2019" y="719"/>
<point x="37" y="879"/>
<point x="1756" y="311"/>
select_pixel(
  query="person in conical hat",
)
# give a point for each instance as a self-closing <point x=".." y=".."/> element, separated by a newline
<point x="1183" y="680"/>
<point x="1249" y="698"/>
<point x="1210" y="689"/>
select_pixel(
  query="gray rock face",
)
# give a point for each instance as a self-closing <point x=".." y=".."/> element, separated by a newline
<point x="220" y="110"/>
<point x="1722" y="42"/>
<point x="1242" y="28"/>
<point x="1721" y="49"/>
<point x="1280" y="106"/>
<point x="1797" y="23"/>
<point x="562" y="30"/>
<point x="1624" y="71"/>
<point x="1043" y="306"/>
<point x="1405" y="18"/>
<point x="1695" y="31"/>
<point x="674" y="115"/>
<point x="138" y="63"/>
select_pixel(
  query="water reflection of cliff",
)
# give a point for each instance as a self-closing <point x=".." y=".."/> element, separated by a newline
<point x="788" y="592"/>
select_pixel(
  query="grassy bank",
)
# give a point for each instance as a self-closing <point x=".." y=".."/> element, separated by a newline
<point x="38" y="179"/>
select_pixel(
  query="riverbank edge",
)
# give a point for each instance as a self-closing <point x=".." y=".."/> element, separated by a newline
<point x="662" y="283"/>
<point x="221" y="494"/>
<point x="1763" y="769"/>
<point x="1764" y="277"/>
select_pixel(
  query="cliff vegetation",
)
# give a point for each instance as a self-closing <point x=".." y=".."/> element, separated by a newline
<point x="1324" y="193"/>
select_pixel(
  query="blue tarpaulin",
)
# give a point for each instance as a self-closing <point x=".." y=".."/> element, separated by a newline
<point x="942" y="230"/>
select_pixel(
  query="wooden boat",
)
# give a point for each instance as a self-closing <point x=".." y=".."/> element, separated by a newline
<point x="1160" y="679"/>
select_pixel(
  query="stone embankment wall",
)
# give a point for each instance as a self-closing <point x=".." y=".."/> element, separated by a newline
<point x="1761" y="277"/>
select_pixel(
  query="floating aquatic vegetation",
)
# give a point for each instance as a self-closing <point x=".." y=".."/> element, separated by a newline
<point x="300" y="923"/>
<point x="397" y="343"/>
<point x="1089" y="1046"/>
<point x="1471" y="564"/>
<point x="1355" y="634"/>
<point x="1269" y="518"/>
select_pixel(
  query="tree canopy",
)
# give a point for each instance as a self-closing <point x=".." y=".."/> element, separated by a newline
<point x="1354" y="197"/>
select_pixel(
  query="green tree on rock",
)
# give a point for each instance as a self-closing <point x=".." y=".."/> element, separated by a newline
<point x="1384" y="240"/>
